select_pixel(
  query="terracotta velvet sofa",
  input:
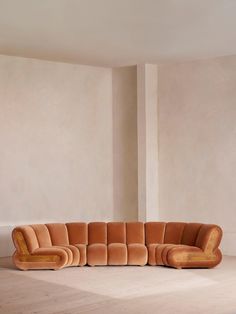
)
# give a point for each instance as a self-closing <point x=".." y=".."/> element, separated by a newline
<point x="175" y="244"/>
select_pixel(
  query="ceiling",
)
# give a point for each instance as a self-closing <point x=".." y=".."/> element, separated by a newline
<point x="118" y="32"/>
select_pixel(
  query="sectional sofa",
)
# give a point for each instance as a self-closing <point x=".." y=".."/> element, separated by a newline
<point x="175" y="244"/>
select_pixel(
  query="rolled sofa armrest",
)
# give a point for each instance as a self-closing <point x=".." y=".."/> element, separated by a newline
<point x="24" y="239"/>
<point x="192" y="257"/>
<point x="209" y="238"/>
<point x="41" y="258"/>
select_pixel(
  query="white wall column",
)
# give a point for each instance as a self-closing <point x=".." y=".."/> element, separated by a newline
<point x="147" y="142"/>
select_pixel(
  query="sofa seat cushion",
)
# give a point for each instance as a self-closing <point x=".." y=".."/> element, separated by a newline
<point x="83" y="254"/>
<point x="75" y="254"/>
<point x="97" y="254"/>
<point x="162" y="251"/>
<point x="152" y="254"/>
<point x="137" y="254"/>
<point x="72" y="253"/>
<point x="166" y="252"/>
<point x="117" y="254"/>
<point x="180" y="256"/>
<point x="159" y="252"/>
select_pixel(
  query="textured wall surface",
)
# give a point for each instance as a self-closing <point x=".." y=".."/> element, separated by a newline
<point x="56" y="160"/>
<point x="197" y="144"/>
<point x="125" y="179"/>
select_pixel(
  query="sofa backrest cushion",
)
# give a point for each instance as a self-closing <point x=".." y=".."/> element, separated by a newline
<point x="42" y="234"/>
<point x="58" y="233"/>
<point x="30" y="237"/>
<point x="97" y="232"/>
<point x="116" y="232"/>
<point x="174" y="232"/>
<point x="154" y="232"/>
<point x="77" y="232"/>
<point x="190" y="233"/>
<point x="135" y="232"/>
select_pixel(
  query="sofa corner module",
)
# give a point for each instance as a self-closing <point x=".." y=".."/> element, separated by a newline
<point x="28" y="254"/>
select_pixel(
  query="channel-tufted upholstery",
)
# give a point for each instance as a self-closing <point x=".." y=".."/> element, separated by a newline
<point x="116" y="239"/>
<point x="175" y="244"/>
<point x="97" y="243"/>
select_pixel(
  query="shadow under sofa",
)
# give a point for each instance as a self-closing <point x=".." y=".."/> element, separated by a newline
<point x="174" y="244"/>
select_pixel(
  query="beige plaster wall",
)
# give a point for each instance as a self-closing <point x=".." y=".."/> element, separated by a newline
<point x="197" y="144"/>
<point x="56" y="160"/>
<point x="125" y="179"/>
<point x="68" y="138"/>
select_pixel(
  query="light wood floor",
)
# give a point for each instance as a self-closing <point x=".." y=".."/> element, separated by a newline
<point x="118" y="290"/>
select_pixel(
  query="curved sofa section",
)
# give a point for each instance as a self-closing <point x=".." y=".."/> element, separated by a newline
<point x="174" y="244"/>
